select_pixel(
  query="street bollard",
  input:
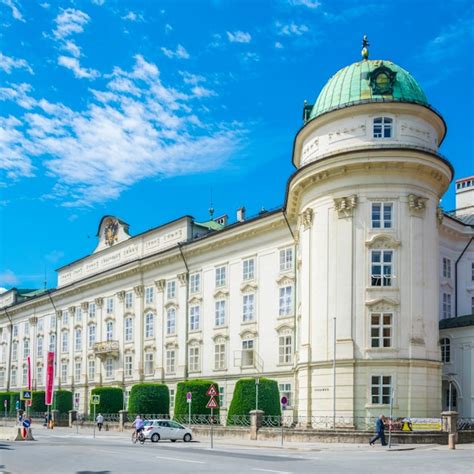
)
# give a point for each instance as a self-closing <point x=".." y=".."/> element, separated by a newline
<point x="452" y="441"/>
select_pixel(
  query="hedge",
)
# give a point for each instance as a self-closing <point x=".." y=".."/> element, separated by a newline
<point x="245" y="396"/>
<point x="11" y="398"/>
<point x="111" y="400"/>
<point x="199" y="401"/>
<point x="62" y="400"/>
<point x="37" y="402"/>
<point x="147" y="398"/>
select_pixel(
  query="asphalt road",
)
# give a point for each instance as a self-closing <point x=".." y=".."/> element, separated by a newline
<point x="70" y="453"/>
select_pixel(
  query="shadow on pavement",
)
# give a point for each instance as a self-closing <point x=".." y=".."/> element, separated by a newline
<point x="6" y="446"/>
<point x="93" y="472"/>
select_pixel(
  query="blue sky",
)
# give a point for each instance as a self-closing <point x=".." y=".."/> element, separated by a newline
<point x="142" y="109"/>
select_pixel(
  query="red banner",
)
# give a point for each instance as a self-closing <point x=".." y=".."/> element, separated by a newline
<point x="48" y="399"/>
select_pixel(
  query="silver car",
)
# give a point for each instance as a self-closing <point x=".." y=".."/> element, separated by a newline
<point x="157" y="430"/>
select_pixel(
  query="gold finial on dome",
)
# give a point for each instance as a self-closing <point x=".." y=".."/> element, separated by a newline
<point x="365" y="48"/>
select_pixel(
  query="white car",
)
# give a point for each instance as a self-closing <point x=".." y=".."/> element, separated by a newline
<point x="156" y="430"/>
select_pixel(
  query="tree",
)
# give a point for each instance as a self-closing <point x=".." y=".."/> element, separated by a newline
<point x="111" y="400"/>
<point x="198" y="388"/>
<point x="148" y="398"/>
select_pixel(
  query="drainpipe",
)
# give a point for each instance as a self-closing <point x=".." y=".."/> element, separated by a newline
<point x="10" y="350"/>
<point x="186" y="318"/>
<point x="456" y="277"/>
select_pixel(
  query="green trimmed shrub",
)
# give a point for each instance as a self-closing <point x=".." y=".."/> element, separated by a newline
<point x="11" y="398"/>
<point x="244" y="398"/>
<point x="111" y="400"/>
<point x="147" y="398"/>
<point x="37" y="402"/>
<point x="198" y="406"/>
<point x="62" y="400"/>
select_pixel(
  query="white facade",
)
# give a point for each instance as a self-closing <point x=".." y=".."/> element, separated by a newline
<point x="338" y="293"/>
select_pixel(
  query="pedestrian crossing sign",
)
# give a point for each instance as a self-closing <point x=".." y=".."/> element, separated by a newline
<point x="95" y="399"/>
<point x="25" y="395"/>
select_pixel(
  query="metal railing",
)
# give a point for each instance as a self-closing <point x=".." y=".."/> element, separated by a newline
<point x="465" y="424"/>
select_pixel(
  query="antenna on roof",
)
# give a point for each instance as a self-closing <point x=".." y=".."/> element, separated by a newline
<point x="365" y="48"/>
<point x="45" y="279"/>
<point x="211" y="208"/>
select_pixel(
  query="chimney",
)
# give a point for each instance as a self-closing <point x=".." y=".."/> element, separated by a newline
<point x="465" y="196"/>
<point x="241" y="214"/>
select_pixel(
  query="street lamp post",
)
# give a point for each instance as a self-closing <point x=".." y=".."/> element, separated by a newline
<point x="450" y="390"/>
<point x="257" y="383"/>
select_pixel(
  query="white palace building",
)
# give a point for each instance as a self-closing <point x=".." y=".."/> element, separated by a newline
<point x="338" y="295"/>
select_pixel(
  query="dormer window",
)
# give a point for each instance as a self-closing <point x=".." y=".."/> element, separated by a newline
<point x="383" y="127"/>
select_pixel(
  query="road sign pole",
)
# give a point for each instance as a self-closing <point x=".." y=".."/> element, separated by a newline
<point x="93" y="421"/>
<point x="212" y="428"/>
<point x="189" y="412"/>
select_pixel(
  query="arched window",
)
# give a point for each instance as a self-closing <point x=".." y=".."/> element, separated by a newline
<point x="383" y="127"/>
<point x="149" y="325"/>
<point x="445" y="349"/>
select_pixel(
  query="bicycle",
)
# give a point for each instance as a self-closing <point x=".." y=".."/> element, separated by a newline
<point x="138" y="437"/>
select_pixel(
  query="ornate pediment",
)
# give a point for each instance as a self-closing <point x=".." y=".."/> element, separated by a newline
<point x="220" y="337"/>
<point x="221" y="293"/>
<point x="249" y="332"/>
<point x="195" y="300"/>
<point x="111" y="231"/>
<point x="286" y="279"/>
<point x="383" y="241"/>
<point x="345" y="205"/>
<point x="171" y="345"/>
<point x="248" y="287"/>
<point x="171" y="304"/>
<point x="160" y="284"/>
<point x="285" y="328"/>
<point x="382" y="304"/>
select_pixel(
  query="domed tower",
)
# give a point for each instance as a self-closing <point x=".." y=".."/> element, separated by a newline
<point x="365" y="199"/>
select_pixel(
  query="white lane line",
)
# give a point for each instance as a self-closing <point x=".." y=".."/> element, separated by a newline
<point x="270" y="470"/>
<point x="181" y="460"/>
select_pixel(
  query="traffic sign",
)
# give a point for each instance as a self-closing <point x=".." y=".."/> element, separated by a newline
<point x="95" y="399"/>
<point x="17" y="405"/>
<point x="211" y="392"/>
<point x="284" y="401"/>
<point x="212" y="403"/>
<point x="25" y="395"/>
<point x="26" y="423"/>
<point x="189" y="397"/>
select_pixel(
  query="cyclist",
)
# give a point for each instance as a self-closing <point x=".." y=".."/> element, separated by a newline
<point x="139" y="425"/>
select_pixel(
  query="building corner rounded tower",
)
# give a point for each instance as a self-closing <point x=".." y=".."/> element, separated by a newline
<point x="365" y="202"/>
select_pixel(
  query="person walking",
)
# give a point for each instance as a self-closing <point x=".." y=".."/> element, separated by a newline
<point x="100" y="421"/>
<point x="379" y="431"/>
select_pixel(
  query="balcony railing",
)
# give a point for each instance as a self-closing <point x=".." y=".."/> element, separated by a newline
<point x="106" y="349"/>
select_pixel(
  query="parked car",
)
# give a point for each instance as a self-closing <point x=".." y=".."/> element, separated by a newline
<point x="157" y="430"/>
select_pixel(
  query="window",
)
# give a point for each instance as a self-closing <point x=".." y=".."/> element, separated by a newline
<point x="170" y="361"/>
<point x="248" y="307"/>
<point x="26" y="328"/>
<point x="194" y="314"/>
<point x="77" y="399"/>
<point x="446" y="305"/>
<point x="382" y="263"/>
<point x="40" y="325"/>
<point x="285" y="345"/>
<point x="248" y="269"/>
<point x="445" y="344"/>
<point x="149" y="366"/>
<point x="78" y="340"/>
<point x="92" y="310"/>
<point x="39" y="375"/>
<point x="286" y="301"/>
<point x="109" y="331"/>
<point x="128" y="300"/>
<point x="286" y="391"/>
<point x="128" y="365"/>
<point x="382" y="215"/>
<point x="221" y="396"/>
<point x="128" y="329"/>
<point x="77" y="372"/>
<point x="26" y="348"/>
<point x="2" y="377"/>
<point x="446" y="267"/>
<point x="91" y="369"/>
<point x="110" y="305"/>
<point x="195" y="283"/>
<point x="170" y="321"/>
<point x="149" y="295"/>
<point x="247" y="352"/>
<point x="15" y="330"/>
<point x="13" y="377"/>
<point x="286" y="259"/>
<point x="78" y="315"/>
<point x="172" y="395"/>
<point x="39" y="346"/>
<point x="194" y="359"/>
<point x="171" y="290"/>
<point x="381" y="330"/>
<point x="64" y="341"/>
<point x="92" y="334"/>
<point x="149" y="325"/>
<point x="220" y="313"/>
<point x="24" y="376"/>
<point x="383" y="127"/>
<point x="109" y="367"/>
<point x="15" y="351"/>
<point x="220" y="276"/>
<point x="65" y="319"/>
<point x="64" y="370"/>
<point x="381" y="389"/>
<point x="52" y="343"/>
<point x="219" y="356"/>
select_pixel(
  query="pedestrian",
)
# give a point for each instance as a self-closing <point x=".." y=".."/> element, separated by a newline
<point x="45" y="424"/>
<point x="100" y="421"/>
<point x="379" y="431"/>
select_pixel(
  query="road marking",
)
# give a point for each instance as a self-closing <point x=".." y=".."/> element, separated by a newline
<point x="270" y="470"/>
<point x="181" y="460"/>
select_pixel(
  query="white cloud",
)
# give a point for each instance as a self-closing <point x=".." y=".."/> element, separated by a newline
<point x="70" y="21"/>
<point x="13" y="5"/>
<point x="278" y="45"/>
<point x="239" y="37"/>
<point x="179" y="53"/>
<point x="45" y="5"/>
<point x="8" y="64"/>
<point x="98" y="2"/>
<point x="306" y="3"/>
<point x="72" y="48"/>
<point x="134" y="17"/>
<point x="133" y="129"/>
<point x="291" y="29"/>
<point x="251" y="57"/>
<point x="74" y="65"/>
<point x="189" y="78"/>
<point x="168" y="28"/>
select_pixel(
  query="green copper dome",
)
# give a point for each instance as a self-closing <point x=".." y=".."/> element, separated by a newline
<point x="368" y="81"/>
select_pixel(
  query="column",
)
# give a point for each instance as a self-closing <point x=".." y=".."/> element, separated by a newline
<point x="160" y="329"/>
<point x="140" y="335"/>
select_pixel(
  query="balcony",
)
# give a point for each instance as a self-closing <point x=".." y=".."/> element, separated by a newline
<point x="106" y="349"/>
<point x="248" y="359"/>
